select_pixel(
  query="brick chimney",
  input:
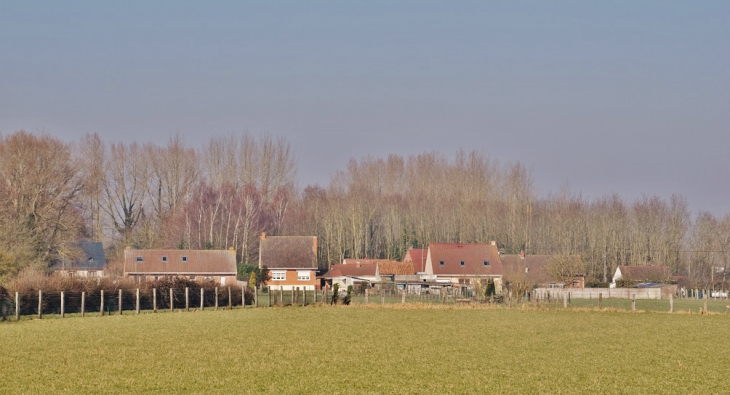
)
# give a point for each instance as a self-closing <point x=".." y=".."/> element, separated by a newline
<point x="263" y="235"/>
<point x="522" y="254"/>
<point x="314" y="245"/>
<point x="494" y="243"/>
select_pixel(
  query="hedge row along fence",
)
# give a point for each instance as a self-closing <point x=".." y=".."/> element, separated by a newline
<point x="163" y="295"/>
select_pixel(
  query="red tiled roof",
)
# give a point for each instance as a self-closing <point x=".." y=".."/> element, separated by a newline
<point x="222" y="262"/>
<point x="472" y="255"/>
<point x="288" y="252"/>
<point x="385" y="266"/>
<point x="396" y="268"/>
<point x="366" y="269"/>
<point x="647" y="273"/>
<point x="418" y="257"/>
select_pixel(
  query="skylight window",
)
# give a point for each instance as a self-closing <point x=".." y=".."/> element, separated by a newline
<point x="164" y="258"/>
<point x="461" y="263"/>
<point x="486" y="263"/>
<point x="139" y="259"/>
<point x="184" y="259"/>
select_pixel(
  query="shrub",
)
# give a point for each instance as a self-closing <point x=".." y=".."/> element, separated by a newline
<point x="348" y="297"/>
<point x="335" y="293"/>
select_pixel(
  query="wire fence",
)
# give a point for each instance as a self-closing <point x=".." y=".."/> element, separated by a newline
<point x="55" y="304"/>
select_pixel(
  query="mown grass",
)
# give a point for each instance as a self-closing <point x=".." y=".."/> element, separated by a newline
<point x="411" y="349"/>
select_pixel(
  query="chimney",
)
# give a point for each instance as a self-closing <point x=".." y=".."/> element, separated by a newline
<point x="314" y="245"/>
<point x="263" y="235"/>
<point x="494" y="243"/>
<point x="522" y="254"/>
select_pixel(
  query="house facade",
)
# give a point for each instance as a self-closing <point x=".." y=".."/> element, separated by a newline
<point x="291" y="260"/>
<point x="198" y="265"/>
<point x="458" y="263"/>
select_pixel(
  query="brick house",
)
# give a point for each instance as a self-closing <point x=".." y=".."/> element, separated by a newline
<point x="458" y="263"/>
<point x="291" y="260"/>
<point x="215" y="265"/>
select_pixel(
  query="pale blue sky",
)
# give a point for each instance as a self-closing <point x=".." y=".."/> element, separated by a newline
<point x="628" y="97"/>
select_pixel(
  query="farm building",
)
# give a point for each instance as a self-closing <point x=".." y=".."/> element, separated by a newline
<point x="459" y="263"/>
<point x="352" y="274"/>
<point x="216" y="265"/>
<point x="642" y="274"/>
<point x="291" y="260"/>
<point x="529" y="270"/>
<point x="87" y="260"/>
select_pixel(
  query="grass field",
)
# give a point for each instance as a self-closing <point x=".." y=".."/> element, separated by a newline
<point x="369" y="350"/>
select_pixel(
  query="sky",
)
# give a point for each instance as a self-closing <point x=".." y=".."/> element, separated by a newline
<point x="622" y="97"/>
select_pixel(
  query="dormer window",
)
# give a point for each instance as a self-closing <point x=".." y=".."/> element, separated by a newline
<point x="184" y="259"/>
<point x="139" y="259"/>
<point x="441" y="263"/>
<point x="486" y="263"/>
<point x="461" y="263"/>
<point x="164" y="258"/>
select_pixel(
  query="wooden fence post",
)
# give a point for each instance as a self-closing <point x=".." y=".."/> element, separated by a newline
<point x="63" y="304"/>
<point x="120" y="302"/>
<point x="137" y="306"/>
<point x="705" y="295"/>
<point x="216" y="298"/>
<point x="243" y="297"/>
<point x="315" y="294"/>
<point x="154" y="300"/>
<point x="671" y="303"/>
<point x="565" y="300"/>
<point x="187" y="299"/>
<point x="633" y="302"/>
<point x="269" y="294"/>
<point x="304" y="296"/>
<point x="17" y="306"/>
<point x="230" y="306"/>
<point x="101" y="304"/>
<point x="40" y="304"/>
<point x="202" y="298"/>
<point x="367" y="292"/>
<point x="600" y="300"/>
<point x="172" y="301"/>
<point x="403" y="298"/>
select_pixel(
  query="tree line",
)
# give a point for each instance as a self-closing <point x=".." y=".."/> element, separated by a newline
<point x="227" y="192"/>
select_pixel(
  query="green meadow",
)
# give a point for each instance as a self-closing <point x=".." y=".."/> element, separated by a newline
<point x="393" y="349"/>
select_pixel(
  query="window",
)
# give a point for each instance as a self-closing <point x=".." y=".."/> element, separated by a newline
<point x="441" y="263"/>
<point x="486" y="263"/>
<point x="139" y="259"/>
<point x="164" y="258"/>
<point x="278" y="276"/>
<point x="461" y="263"/>
<point x="191" y="277"/>
<point x="184" y="258"/>
<point x="303" y="275"/>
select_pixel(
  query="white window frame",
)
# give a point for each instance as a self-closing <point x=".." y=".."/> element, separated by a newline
<point x="278" y="275"/>
<point x="304" y="275"/>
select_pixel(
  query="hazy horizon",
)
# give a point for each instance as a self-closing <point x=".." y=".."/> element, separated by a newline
<point x="606" y="98"/>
